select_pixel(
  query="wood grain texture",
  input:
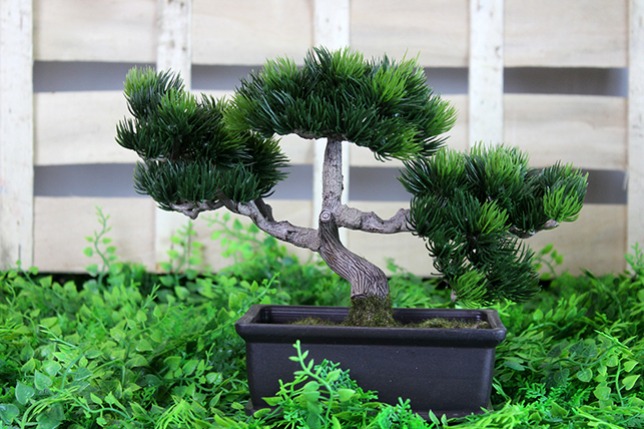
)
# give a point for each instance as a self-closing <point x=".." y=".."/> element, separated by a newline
<point x="485" y="73"/>
<point x="250" y="31"/>
<point x="435" y="30"/>
<point x="595" y="242"/>
<point x="61" y="225"/>
<point x="555" y="33"/>
<point x="16" y="134"/>
<point x="79" y="128"/>
<point x="110" y="31"/>
<point x="588" y="131"/>
<point x="636" y="125"/>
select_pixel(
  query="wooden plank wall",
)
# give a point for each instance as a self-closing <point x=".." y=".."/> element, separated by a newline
<point x="486" y="37"/>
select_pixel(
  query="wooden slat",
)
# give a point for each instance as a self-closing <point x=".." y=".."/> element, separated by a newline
<point x="596" y="241"/>
<point x="363" y="157"/>
<point x="79" y="128"/>
<point x="555" y="33"/>
<point x="110" y="31"/>
<point x="250" y="31"/>
<point x="16" y="134"/>
<point x="636" y="125"/>
<point x="174" y="52"/>
<point x="174" y="45"/>
<point x="588" y="131"/>
<point x="436" y="30"/>
<point x="61" y="225"/>
<point x="486" y="72"/>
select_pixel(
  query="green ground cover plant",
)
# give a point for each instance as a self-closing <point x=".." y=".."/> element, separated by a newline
<point x="124" y="348"/>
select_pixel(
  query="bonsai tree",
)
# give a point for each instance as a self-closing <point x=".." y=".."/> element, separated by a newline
<point x="202" y="154"/>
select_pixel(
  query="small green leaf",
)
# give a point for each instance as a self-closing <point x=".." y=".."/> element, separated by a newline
<point x="52" y="418"/>
<point x="88" y="251"/>
<point x="629" y="382"/>
<point x="514" y="363"/>
<point x="336" y="423"/>
<point x="143" y="345"/>
<point x="558" y="411"/>
<point x="111" y="399"/>
<point x="345" y="394"/>
<point x="602" y="392"/>
<point x="629" y="365"/>
<point x="585" y="375"/>
<point x="8" y="412"/>
<point x="24" y="393"/>
<point x="273" y="401"/>
<point x="612" y="361"/>
<point x="41" y="381"/>
<point x="537" y="315"/>
<point x="95" y="399"/>
<point x="51" y="367"/>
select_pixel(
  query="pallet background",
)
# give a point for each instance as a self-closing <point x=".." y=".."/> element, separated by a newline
<point x="489" y="38"/>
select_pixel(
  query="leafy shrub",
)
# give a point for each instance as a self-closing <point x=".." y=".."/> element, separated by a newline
<point x="129" y="349"/>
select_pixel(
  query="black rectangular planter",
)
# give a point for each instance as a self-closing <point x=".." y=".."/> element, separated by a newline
<point x="448" y="371"/>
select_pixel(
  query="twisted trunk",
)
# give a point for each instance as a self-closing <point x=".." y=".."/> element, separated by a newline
<point x="369" y="284"/>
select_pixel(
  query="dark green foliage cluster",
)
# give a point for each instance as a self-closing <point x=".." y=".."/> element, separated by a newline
<point x="127" y="349"/>
<point x="381" y="104"/>
<point x="189" y="155"/>
<point x="472" y="209"/>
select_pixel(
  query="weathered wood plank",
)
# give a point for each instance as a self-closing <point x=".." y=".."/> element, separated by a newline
<point x="486" y="72"/>
<point x="16" y="134"/>
<point x="79" y="128"/>
<point x="435" y="30"/>
<point x="110" y="31"/>
<point x="636" y="125"/>
<point x="555" y="33"/>
<point x="588" y="131"/>
<point x="174" y="52"/>
<point x="61" y="225"/>
<point x="174" y="44"/>
<point x="250" y="31"/>
<point x="595" y="242"/>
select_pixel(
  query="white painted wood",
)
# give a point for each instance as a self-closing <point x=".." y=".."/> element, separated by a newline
<point x="595" y="241"/>
<point x="61" y="225"/>
<point x="174" y="46"/>
<point x="588" y="131"/>
<point x="556" y="33"/>
<point x="174" y="52"/>
<point x="16" y="133"/>
<point x="111" y="31"/>
<point x="234" y="32"/>
<point x="435" y="30"/>
<point x="486" y="72"/>
<point x="79" y="128"/>
<point x="636" y="125"/>
<point x="331" y="29"/>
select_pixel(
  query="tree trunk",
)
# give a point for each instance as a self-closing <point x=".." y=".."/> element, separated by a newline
<point x="369" y="285"/>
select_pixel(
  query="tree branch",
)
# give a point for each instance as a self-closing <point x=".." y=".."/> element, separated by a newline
<point x="192" y="209"/>
<point x="352" y="218"/>
<point x="261" y="214"/>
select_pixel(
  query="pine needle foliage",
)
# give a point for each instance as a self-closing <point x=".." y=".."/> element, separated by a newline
<point x="188" y="154"/>
<point x="471" y="209"/>
<point x="380" y="104"/>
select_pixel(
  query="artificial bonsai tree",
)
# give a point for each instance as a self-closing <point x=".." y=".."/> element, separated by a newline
<point x="201" y="154"/>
